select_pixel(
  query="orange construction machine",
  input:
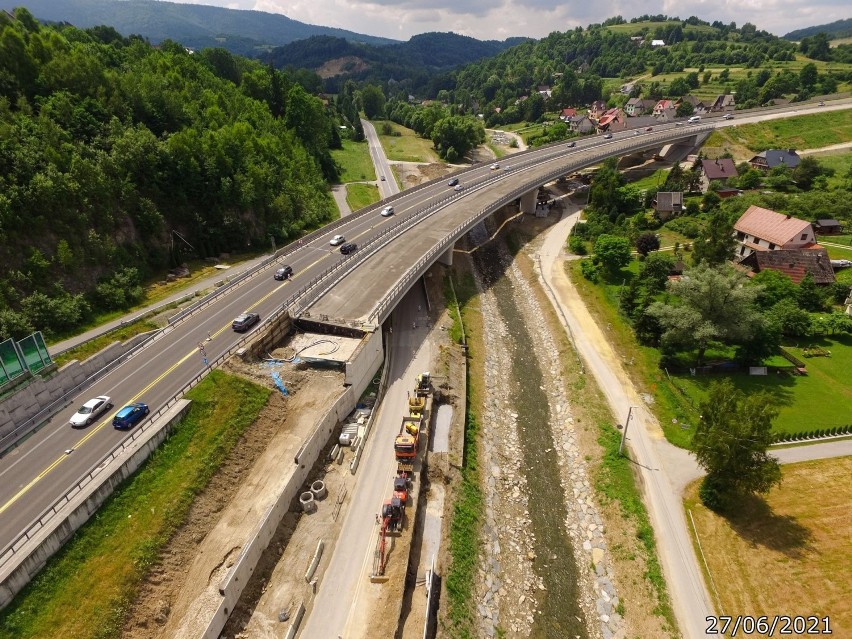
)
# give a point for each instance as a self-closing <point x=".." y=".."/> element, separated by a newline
<point x="406" y="443"/>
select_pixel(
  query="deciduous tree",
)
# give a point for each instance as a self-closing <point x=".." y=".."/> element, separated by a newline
<point x="731" y="442"/>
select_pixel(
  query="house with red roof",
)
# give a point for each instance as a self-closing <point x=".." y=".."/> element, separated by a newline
<point x="662" y="106"/>
<point x="567" y="112"/>
<point x="760" y="229"/>
<point x="795" y="263"/>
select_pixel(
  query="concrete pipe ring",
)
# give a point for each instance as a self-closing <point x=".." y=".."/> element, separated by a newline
<point x="376" y="381"/>
<point x="307" y="501"/>
<point x="318" y="489"/>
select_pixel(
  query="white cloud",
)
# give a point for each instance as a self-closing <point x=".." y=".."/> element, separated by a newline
<point x="499" y="19"/>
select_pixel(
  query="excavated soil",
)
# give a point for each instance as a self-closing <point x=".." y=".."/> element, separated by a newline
<point x="165" y="589"/>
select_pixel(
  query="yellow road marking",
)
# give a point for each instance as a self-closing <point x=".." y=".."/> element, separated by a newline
<point x="133" y="399"/>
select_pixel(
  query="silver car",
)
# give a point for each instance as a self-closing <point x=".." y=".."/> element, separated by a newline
<point x="88" y="412"/>
<point x="337" y="240"/>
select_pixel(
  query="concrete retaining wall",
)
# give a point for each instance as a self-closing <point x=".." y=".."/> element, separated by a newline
<point x="18" y="572"/>
<point x="30" y="400"/>
<point x="231" y="587"/>
<point x="365" y="360"/>
<point x="270" y="338"/>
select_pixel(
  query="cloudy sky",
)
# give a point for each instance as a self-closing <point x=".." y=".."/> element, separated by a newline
<point x="499" y="19"/>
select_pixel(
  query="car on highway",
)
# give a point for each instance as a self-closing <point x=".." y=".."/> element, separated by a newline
<point x="458" y="187"/>
<point x="88" y="412"/>
<point x="349" y="247"/>
<point x="337" y="240"/>
<point x="649" y="128"/>
<point x="382" y="178"/>
<point x="130" y="415"/>
<point x="693" y="119"/>
<point x="387" y="211"/>
<point x="728" y="116"/>
<point x="571" y="145"/>
<point x="453" y="182"/>
<point x="821" y="103"/>
<point x="245" y="321"/>
<point x="608" y="136"/>
<point x="284" y="272"/>
<point x="494" y="166"/>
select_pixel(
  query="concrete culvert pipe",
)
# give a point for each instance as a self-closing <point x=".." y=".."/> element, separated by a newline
<point x="319" y="490"/>
<point x="307" y="501"/>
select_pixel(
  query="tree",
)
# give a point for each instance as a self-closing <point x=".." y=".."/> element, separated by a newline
<point x="457" y="133"/>
<point x="809" y="296"/>
<point x="716" y="244"/>
<point x="684" y="109"/>
<point x="731" y="442"/>
<point x="373" y="101"/>
<point x="655" y="271"/>
<point x="647" y="242"/>
<point x="808" y="76"/>
<point x="715" y="306"/>
<point x="612" y="252"/>
<point x="789" y="318"/>
<point x="775" y="286"/>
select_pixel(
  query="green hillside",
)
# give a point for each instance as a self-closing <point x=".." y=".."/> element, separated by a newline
<point x="118" y="160"/>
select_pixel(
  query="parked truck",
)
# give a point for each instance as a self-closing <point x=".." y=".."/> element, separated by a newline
<point x="406" y="442"/>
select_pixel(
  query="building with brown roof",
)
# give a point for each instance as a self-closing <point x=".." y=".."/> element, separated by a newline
<point x="769" y="159"/>
<point x="719" y="169"/>
<point x="796" y="263"/>
<point x="760" y="229"/>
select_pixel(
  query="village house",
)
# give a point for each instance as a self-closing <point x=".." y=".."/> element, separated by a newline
<point x="828" y="227"/>
<point x="612" y="120"/>
<point x="597" y="109"/>
<point x="581" y="124"/>
<point x="720" y="169"/>
<point x="662" y="106"/>
<point x="723" y="103"/>
<point x="795" y="263"/>
<point x="567" y="113"/>
<point x="637" y="106"/>
<point x="668" y="204"/>
<point x="760" y="229"/>
<point x="769" y="159"/>
<point x="544" y="91"/>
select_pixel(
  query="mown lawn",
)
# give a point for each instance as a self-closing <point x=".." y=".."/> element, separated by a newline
<point x="86" y="588"/>
<point x="821" y="399"/>
<point x="404" y="145"/>
<point x="121" y="334"/>
<point x="360" y="195"/>
<point x="354" y="162"/>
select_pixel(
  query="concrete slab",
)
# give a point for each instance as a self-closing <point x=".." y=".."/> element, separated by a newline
<point x="324" y="348"/>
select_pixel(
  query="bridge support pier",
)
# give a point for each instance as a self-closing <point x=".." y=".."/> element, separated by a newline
<point x="447" y="257"/>
<point x="529" y="201"/>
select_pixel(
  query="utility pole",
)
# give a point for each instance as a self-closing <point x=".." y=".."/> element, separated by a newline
<point x="624" y="434"/>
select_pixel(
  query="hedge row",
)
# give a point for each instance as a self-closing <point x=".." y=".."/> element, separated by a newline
<point x="813" y="434"/>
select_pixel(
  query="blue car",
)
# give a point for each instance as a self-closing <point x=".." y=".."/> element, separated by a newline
<point x="130" y="415"/>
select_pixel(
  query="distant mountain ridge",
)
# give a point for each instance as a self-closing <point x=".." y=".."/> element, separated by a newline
<point x="196" y="26"/>
<point x="834" y="30"/>
<point x="433" y="51"/>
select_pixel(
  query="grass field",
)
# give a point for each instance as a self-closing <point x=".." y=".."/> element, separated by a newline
<point x="407" y="146"/>
<point x="803" y="132"/>
<point x="85" y="589"/>
<point x="360" y="195"/>
<point x="786" y="554"/>
<point x="821" y="399"/>
<point x="354" y="162"/>
<point x="840" y="161"/>
<point x="636" y="27"/>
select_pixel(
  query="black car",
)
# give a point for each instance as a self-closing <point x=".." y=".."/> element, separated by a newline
<point x="284" y="272"/>
<point x="571" y="145"/>
<point x="349" y="247"/>
<point x="245" y="321"/>
<point x="453" y="182"/>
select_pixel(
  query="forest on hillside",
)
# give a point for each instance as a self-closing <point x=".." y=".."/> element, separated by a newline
<point x="113" y="152"/>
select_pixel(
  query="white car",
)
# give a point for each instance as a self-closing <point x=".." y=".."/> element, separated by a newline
<point x="495" y="166"/>
<point x="458" y="187"/>
<point x="89" y="411"/>
<point x="337" y="240"/>
<point x="728" y="116"/>
<point x="387" y="211"/>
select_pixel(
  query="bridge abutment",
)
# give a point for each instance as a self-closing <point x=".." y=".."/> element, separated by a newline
<point x="529" y="201"/>
<point x="447" y="256"/>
